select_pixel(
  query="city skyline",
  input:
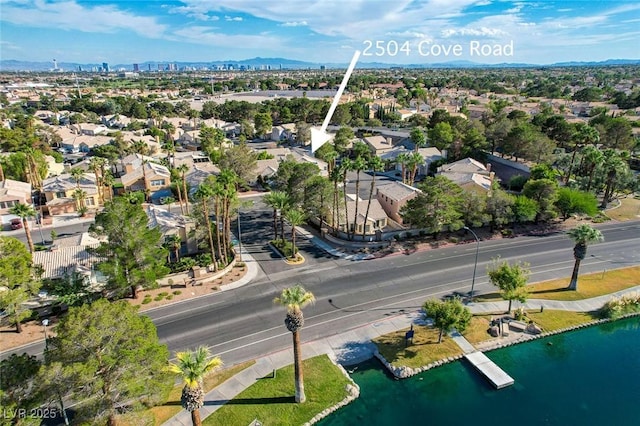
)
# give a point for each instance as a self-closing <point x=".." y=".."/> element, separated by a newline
<point x="401" y="32"/>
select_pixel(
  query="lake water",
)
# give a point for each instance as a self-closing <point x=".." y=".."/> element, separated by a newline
<point x="585" y="377"/>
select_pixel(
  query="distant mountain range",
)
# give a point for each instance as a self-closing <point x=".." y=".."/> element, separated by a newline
<point x="8" y="65"/>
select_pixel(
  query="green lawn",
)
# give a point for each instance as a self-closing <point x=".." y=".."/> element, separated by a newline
<point x="589" y="285"/>
<point x="476" y="332"/>
<point x="271" y="400"/>
<point x="551" y="320"/>
<point x="424" y="350"/>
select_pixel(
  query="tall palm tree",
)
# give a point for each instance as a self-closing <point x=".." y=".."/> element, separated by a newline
<point x="335" y="176"/>
<point x="25" y="211"/>
<point x="358" y="165"/>
<point x="582" y="235"/>
<point x="204" y="194"/>
<point x="345" y="167"/>
<point x="97" y="165"/>
<point x="403" y="159"/>
<point x="193" y="366"/>
<point x="80" y="196"/>
<point x="174" y="242"/>
<point x="375" y="164"/>
<point x="414" y="160"/>
<point x="183" y="169"/>
<point x="108" y="180"/>
<point x="593" y="158"/>
<point x="295" y="217"/>
<point x="294" y="299"/>
<point x="278" y="201"/>
<point x="615" y="164"/>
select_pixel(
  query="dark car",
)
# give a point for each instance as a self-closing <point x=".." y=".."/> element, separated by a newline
<point x="16" y="223"/>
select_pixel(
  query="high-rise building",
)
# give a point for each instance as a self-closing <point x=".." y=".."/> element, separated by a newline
<point x="105" y="67"/>
<point x="136" y="67"/>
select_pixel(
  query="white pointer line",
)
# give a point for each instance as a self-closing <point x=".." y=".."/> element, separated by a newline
<point x="336" y="98"/>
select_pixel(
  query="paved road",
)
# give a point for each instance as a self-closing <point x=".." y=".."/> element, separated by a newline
<point x="243" y="323"/>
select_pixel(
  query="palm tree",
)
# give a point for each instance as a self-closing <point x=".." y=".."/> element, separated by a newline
<point x="582" y="235"/>
<point x="403" y="159"/>
<point x="204" y="193"/>
<point x="80" y="196"/>
<point x="76" y="174"/>
<point x="592" y="158"/>
<point x="193" y="366"/>
<point x="97" y="164"/>
<point x="295" y="217"/>
<point x="375" y="164"/>
<point x="278" y="201"/>
<point x="615" y="164"/>
<point x="108" y="180"/>
<point x="294" y="299"/>
<point x="183" y="169"/>
<point x="414" y="160"/>
<point x="358" y="165"/>
<point x="174" y="242"/>
<point x="25" y="211"/>
<point x="345" y="167"/>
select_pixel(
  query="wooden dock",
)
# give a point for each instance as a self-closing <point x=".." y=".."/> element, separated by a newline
<point x="491" y="371"/>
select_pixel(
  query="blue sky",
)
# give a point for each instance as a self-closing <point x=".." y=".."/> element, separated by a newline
<point x="322" y="31"/>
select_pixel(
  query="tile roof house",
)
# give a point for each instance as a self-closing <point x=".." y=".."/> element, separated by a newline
<point x="68" y="255"/>
<point x="59" y="192"/>
<point x="379" y="144"/>
<point x="154" y="179"/>
<point x="469" y="174"/>
<point x="376" y="220"/>
<point x="173" y="224"/>
<point x="393" y="196"/>
<point x="13" y="192"/>
<point x="284" y="132"/>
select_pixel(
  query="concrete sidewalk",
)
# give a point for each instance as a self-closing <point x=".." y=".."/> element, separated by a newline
<point x="355" y="346"/>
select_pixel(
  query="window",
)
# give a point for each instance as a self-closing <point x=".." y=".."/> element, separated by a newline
<point x="7" y="204"/>
<point x="60" y="194"/>
<point x="90" y="201"/>
<point x="157" y="182"/>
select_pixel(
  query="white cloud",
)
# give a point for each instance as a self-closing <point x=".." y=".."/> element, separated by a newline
<point x="8" y="45"/>
<point x="476" y="32"/>
<point x="193" y="11"/>
<point x="233" y="18"/>
<point x="205" y="35"/>
<point x="69" y="15"/>
<point x="294" y="24"/>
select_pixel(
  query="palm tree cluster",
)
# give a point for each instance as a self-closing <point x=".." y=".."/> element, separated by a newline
<point x="280" y="202"/>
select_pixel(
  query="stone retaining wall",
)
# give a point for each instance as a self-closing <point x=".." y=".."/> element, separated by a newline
<point x="353" y="392"/>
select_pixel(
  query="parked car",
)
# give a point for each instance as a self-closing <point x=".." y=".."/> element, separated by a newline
<point x="16" y="223"/>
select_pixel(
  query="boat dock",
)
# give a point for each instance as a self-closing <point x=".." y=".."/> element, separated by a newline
<point x="495" y="374"/>
<point x="479" y="360"/>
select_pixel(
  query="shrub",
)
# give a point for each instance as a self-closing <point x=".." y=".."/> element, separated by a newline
<point x="285" y="248"/>
<point x="177" y="292"/>
<point x="617" y="307"/>
<point x="240" y="265"/>
<point x="146" y="300"/>
<point x="516" y="183"/>
<point x="158" y="298"/>
<point x="163" y="294"/>
<point x="169" y="296"/>
<point x="204" y="259"/>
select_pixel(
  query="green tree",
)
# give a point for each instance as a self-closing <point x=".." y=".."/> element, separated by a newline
<point x="263" y="124"/>
<point x="193" y="367"/>
<point x="448" y="315"/>
<point x="182" y="170"/>
<point x="115" y="354"/>
<point x="582" y="236"/>
<point x="524" y="209"/>
<point x="18" y="386"/>
<point x="500" y="208"/>
<point x="133" y="253"/>
<point x="418" y="138"/>
<point x="510" y="279"/>
<point x="25" y="211"/>
<point x="437" y="207"/>
<point x="442" y="135"/>
<point x="295" y="217"/>
<point x="294" y="299"/>
<point x="545" y="193"/>
<point x="573" y="201"/>
<point x="18" y="278"/>
<point x="242" y="160"/>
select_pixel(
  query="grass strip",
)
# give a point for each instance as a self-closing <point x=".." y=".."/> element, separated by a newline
<point x="589" y="285"/>
<point x="424" y="350"/>
<point x="271" y="400"/>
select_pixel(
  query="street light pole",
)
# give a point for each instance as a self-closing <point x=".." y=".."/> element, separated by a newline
<point x="475" y="265"/>
<point x="45" y="323"/>
<point x="239" y="238"/>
